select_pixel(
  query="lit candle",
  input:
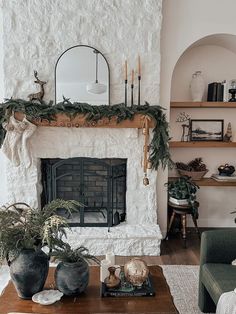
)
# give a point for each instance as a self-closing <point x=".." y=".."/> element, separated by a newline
<point x="139" y="66"/>
<point x="132" y="77"/>
<point x="126" y="70"/>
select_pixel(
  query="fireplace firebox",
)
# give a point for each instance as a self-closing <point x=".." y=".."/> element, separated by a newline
<point x="100" y="184"/>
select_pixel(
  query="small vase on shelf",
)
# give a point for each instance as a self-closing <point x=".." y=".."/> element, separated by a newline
<point x="197" y="86"/>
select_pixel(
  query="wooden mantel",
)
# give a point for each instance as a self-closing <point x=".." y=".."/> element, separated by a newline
<point x="62" y="120"/>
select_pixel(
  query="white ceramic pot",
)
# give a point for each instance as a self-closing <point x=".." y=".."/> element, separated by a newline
<point x="178" y="202"/>
<point x="197" y="86"/>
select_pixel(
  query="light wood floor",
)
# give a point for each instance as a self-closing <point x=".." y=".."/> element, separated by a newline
<point x="172" y="252"/>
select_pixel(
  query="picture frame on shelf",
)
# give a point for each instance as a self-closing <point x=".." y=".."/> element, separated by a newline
<point x="205" y="130"/>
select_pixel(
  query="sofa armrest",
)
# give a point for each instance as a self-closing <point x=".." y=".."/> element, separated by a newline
<point x="218" y="246"/>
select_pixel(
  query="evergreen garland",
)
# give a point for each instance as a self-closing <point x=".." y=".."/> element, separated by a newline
<point x="159" y="153"/>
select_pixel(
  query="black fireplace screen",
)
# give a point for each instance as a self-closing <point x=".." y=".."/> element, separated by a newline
<point x="100" y="184"/>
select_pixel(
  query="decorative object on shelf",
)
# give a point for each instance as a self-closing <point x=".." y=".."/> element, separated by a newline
<point x="197" y="86"/>
<point x="136" y="271"/>
<point x="72" y="273"/>
<point x="132" y="88"/>
<point x="184" y="117"/>
<point x="96" y="87"/>
<point x="159" y="148"/>
<point x="232" y="90"/>
<point x="226" y="170"/>
<point x="126" y="81"/>
<point x="228" y="134"/>
<point x="47" y="297"/>
<point x="139" y="79"/>
<point x="39" y="95"/>
<point x="195" y="169"/>
<point x="206" y="130"/>
<point x="215" y="91"/>
<point x="225" y="90"/>
<point x="112" y="281"/>
<point x="184" y="189"/>
<point x="23" y="232"/>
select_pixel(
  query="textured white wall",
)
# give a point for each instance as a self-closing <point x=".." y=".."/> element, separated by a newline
<point x="37" y="32"/>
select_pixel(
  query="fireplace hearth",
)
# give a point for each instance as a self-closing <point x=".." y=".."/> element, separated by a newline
<point x="100" y="184"/>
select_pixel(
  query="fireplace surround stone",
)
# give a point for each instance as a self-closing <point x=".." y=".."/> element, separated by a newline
<point x="140" y="234"/>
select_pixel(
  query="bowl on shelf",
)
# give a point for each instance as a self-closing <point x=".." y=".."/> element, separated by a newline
<point x="195" y="175"/>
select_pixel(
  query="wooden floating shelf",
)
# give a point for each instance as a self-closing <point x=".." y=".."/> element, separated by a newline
<point x="62" y="120"/>
<point x="209" y="182"/>
<point x="201" y="144"/>
<point x="200" y="104"/>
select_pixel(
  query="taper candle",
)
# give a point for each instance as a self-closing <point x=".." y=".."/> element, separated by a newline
<point x="126" y="70"/>
<point x="132" y="77"/>
<point x="139" y="66"/>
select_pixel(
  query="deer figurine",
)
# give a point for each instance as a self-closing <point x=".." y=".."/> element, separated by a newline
<point x="39" y="95"/>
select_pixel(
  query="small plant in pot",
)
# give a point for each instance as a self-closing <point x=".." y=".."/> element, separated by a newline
<point x="183" y="191"/>
<point x="72" y="273"/>
<point x="24" y="231"/>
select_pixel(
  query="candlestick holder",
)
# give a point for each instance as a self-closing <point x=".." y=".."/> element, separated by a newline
<point x="132" y="94"/>
<point x="139" y="88"/>
<point x="126" y="83"/>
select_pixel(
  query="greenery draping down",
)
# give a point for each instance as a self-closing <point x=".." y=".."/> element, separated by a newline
<point x="159" y="148"/>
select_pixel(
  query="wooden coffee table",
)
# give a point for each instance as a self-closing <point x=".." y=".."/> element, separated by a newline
<point x="91" y="302"/>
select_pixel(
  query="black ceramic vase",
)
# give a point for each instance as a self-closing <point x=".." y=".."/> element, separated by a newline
<point x="72" y="278"/>
<point x="29" y="272"/>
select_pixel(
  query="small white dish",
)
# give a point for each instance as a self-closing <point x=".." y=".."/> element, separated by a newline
<point x="47" y="297"/>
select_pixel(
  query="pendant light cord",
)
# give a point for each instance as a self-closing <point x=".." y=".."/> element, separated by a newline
<point x="96" y="67"/>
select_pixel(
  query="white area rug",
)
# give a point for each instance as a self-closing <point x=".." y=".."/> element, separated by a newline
<point x="183" y="283"/>
<point x="182" y="280"/>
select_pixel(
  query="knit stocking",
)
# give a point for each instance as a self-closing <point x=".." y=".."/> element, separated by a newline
<point x="26" y="154"/>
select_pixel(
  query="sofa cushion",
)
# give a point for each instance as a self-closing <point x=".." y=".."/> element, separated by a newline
<point x="218" y="278"/>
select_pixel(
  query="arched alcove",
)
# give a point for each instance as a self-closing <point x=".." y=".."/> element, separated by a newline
<point x="215" y="56"/>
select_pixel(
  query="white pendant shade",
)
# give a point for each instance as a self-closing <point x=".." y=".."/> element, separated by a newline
<point x="96" y="88"/>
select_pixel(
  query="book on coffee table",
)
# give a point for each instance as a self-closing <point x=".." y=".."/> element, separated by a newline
<point x="126" y="289"/>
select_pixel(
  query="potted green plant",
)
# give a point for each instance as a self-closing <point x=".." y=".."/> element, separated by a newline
<point x="72" y="273"/>
<point x="24" y="231"/>
<point x="182" y="191"/>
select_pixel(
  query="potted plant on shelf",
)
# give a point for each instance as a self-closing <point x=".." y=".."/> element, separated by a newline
<point x="182" y="191"/>
<point x="195" y="169"/>
<point x="24" y="231"/>
<point x="72" y="273"/>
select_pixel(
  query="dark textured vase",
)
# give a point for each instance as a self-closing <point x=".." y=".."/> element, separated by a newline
<point x="29" y="272"/>
<point x="72" y="278"/>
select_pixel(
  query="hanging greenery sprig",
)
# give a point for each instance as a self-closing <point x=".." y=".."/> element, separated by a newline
<point x="159" y="148"/>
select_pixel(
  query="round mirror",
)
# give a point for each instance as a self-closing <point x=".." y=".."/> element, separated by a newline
<point x="82" y="75"/>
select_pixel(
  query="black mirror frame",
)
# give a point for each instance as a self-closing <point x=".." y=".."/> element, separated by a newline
<point x="55" y="70"/>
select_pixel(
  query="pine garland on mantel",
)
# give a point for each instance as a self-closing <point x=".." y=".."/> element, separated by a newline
<point x="159" y="148"/>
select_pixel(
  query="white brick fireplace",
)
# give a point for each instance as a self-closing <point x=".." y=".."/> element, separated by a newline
<point x="35" y="33"/>
<point x="140" y="234"/>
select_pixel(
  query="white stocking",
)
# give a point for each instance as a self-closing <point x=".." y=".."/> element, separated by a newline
<point x="12" y="142"/>
<point x="26" y="152"/>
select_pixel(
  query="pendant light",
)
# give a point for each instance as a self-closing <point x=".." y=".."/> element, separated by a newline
<point x="96" y="87"/>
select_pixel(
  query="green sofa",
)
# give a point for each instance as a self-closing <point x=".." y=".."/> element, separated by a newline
<point x="217" y="275"/>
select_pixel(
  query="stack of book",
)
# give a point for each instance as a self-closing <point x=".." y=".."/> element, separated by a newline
<point x="220" y="178"/>
<point x="218" y="91"/>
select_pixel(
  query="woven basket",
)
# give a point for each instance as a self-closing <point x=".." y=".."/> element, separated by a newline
<point x="195" y="175"/>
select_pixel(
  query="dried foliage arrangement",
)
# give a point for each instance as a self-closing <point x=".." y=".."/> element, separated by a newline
<point x="159" y="148"/>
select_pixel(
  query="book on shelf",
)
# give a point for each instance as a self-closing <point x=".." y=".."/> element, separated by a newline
<point x="220" y="178"/>
<point x="212" y="91"/>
